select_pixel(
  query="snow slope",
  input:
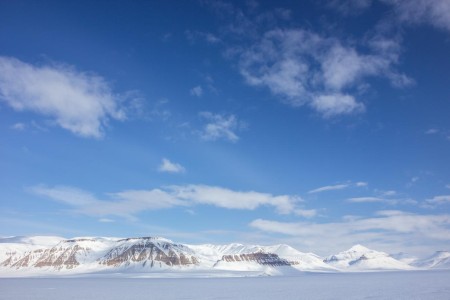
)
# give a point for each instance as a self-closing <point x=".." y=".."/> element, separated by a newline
<point x="374" y="285"/>
<point x="233" y="256"/>
<point x="439" y="260"/>
<point x="360" y="258"/>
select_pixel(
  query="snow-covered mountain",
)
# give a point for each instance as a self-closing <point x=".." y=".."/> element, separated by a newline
<point x="360" y="258"/>
<point x="31" y="256"/>
<point x="254" y="257"/>
<point x="439" y="260"/>
<point x="80" y="255"/>
<point x="157" y="252"/>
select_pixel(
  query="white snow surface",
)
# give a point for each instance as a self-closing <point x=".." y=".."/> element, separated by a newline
<point x="312" y="286"/>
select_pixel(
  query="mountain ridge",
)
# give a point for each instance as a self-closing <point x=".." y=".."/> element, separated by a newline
<point x="54" y="256"/>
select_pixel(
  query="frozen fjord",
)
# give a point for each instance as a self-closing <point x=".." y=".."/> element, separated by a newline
<point x="378" y="285"/>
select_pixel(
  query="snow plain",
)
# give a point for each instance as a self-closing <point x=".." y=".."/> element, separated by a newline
<point x="378" y="285"/>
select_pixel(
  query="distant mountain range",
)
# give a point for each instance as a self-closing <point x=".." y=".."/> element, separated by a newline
<point x="53" y="256"/>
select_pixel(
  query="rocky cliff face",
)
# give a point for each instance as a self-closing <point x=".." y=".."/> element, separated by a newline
<point x="62" y="256"/>
<point x="266" y="259"/>
<point x="19" y="260"/>
<point x="102" y="253"/>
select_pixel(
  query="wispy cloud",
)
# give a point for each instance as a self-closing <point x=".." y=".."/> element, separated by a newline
<point x="386" y="227"/>
<point x="441" y="133"/>
<point x="389" y="201"/>
<point x="389" y="193"/>
<point x="129" y="203"/>
<point x="349" y="7"/>
<point x="64" y="194"/>
<point x="196" y="91"/>
<point x="365" y="199"/>
<point x="82" y="103"/>
<point x="433" y="12"/>
<point x="303" y="67"/>
<point x="432" y="131"/>
<point x="193" y="36"/>
<point x="336" y="104"/>
<point x="306" y="213"/>
<point x="329" y="188"/>
<point x="124" y="204"/>
<point x="226" y="198"/>
<point x="412" y="181"/>
<point x="106" y="220"/>
<point x="220" y="126"/>
<point x="19" y="126"/>
<point x="335" y="187"/>
<point x="438" y="200"/>
<point x="170" y="167"/>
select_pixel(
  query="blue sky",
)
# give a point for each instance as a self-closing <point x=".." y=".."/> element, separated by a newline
<point x="319" y="124"/>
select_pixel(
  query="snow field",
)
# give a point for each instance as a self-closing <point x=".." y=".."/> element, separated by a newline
<point x="380" y="285"/>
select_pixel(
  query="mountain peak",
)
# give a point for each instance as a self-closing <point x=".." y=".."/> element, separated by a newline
<point x="359" y="248"/>
<point x="146" y="238"/>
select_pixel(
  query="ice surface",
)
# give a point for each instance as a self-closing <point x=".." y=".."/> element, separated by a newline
<point x="381" y="285"/>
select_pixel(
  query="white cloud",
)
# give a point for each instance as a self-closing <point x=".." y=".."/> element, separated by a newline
<point x="221" y="197"/>
<point x="196" y="91"/>
<point x="434" y="12"/>
<point x="385" y="228"/>
<point x="303" y="67"/>
<point x="144" y="200"/>
<point x="336" y="104"/>
<point x="389" y="193"/>
<point x="193" y="36"/>
<point x="123" y="204"/>
<point x="80" y="102"/>
<point x="170" y="167"/>
<point x="361" y="184"/>
<point x="349" y="7"/>
<point x="64" y="194"/>
<point x="219" y="127"/>
<point x="365" y="199"/>
<point x="329" y="188"/>
<point x="406" y="201"/>
<point x="432" y="131"/>
<point x="106" y="220"/>
<point x="19" y="126"/>
<point x="306" y="213"/>
<point x="437" y="200"/>
<point x="128" y="203"/>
